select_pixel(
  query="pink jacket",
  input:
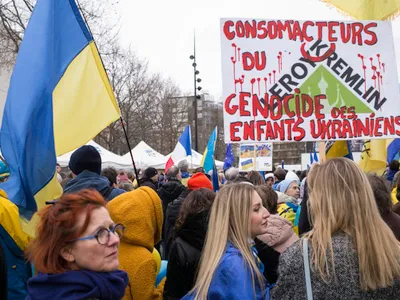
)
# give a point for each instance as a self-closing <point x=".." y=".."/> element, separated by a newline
<point x="280" y="234"/>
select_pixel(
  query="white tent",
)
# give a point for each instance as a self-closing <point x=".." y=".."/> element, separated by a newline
<point x="145" y="157"/>
<point x="108" y="158"/>
<point x="194" y="160"/>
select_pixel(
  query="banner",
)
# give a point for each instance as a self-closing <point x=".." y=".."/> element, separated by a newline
<point x="255" y="157"/>
<point x="286" y="80"/>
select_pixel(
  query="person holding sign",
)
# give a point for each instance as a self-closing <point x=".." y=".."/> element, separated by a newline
<point x="352" y="253"/>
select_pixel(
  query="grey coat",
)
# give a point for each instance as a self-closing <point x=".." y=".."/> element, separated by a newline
<point x="291" y="283"/>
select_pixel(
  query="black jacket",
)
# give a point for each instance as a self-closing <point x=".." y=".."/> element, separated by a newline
<point x="270" y="259"/>
<point x="3" y="275"/>
<point x="170" y="191"/>
<point x="304" y="222"/>
<point x="171" y="215"/>
<point x="185" y="256"/>
<point x="148" y="182"/>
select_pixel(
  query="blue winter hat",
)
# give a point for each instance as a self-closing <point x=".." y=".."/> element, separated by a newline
<point x="4" y="170"/>
<point x="284" y="185"/>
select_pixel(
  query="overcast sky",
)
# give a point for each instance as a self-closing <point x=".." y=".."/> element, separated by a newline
<point x="162" y="32"/>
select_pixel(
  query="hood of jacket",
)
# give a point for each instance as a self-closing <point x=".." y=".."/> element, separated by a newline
<point x="174" y="207"/>
<point x="170" y="191"/>
<point x="144" y="181"/>
<point x="280" y="234"/>
<point x="78" y="285"/>
<point x="194" y="230"/>
<point x="88" y="180"/>
<point x="140" y="211"/>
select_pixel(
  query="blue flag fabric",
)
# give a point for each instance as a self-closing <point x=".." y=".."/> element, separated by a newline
<point x="315" y="156"/>
<point x="215" y="181"/>
<point x="229" y="157"/>
<point x="393" y="150"/>
<point x="311" y="159"/>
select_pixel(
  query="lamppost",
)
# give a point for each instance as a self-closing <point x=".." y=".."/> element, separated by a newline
<point x="196" y="97"/>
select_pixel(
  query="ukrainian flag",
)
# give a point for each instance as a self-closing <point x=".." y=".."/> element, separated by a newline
<point x="338" y="149"/>
<point x="59" y="98"/>
<point x="207" y="162"/>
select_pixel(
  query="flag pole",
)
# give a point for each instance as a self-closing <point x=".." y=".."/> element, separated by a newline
<point x="321" y="150"/>
<point x="130" y="151"/>
<point x="121" y="120"/>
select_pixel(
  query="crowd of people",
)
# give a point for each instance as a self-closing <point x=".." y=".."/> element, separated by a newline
<point x="331" y="232"/>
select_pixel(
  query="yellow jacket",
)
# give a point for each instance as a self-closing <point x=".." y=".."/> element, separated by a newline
<point x="9" y="220"/>
<point x="140" y="211"/>
<point x="394" y="198"/>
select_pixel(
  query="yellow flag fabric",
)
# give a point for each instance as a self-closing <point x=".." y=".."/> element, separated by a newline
<point x="374" y="156"/>
<point x="367" y="9"/>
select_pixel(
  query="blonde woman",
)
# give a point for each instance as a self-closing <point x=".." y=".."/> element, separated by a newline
<point x="229" y="267"/>
<point x="352" y="253"/>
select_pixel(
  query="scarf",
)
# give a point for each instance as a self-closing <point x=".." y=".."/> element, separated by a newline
<point x="78" y="285"/>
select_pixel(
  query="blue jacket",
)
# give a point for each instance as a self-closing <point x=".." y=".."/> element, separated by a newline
<point x="91" y="180"/>
<point x="232" y="280"/>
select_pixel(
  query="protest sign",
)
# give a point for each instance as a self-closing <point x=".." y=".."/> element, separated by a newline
<point x="255" y="157"/>
<point x="286" y="80"/>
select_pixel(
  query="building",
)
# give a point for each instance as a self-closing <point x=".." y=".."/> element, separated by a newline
<point x="209" y="115"/>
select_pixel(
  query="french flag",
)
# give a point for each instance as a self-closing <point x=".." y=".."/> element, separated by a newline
<point x="182" y="149"/>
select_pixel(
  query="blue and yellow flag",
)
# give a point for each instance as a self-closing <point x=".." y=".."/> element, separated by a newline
<point x="338" y="149"/>
<point x="59" y="98"/>
<point x="207" y="162"/>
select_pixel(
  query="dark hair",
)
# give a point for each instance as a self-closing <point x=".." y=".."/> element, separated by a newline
<point x="57" y="228"/>
<point x="58" y="165"/>
<point x="394" y="165"/>
<point x="199" y="170"/>
<point x="111" y="175"/>
<point x="196" y="202"/>
<point x="255" y="178"/>
<point x="382" y="193"/>
<point x="303" y="175"/>
<point x="240" y="179"/>
<point x="280" y="174"/>
<point x="269" y="198"/>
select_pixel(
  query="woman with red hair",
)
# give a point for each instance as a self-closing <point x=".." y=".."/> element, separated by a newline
<point x="76" y="251"/>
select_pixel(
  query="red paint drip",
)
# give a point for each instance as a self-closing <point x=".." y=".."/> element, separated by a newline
<point x="274" y="76"/>
<point x="234" y="71"/>
<point x="234" y="47"/>
<point x="379" y="61"/>
<point x="269" y="74"/>
<point x="383" y="66"/>
<point x="259" y="89"/>
<point x="279" y="63"/>
<point x="252" y="81"/>
<point x="265" y="84"/>
<point x="238" y="51"/>
<point x="365" y="78"/>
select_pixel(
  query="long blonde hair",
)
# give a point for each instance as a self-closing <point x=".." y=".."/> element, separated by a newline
<point x="341" y="198"/>
<point x="229" y="221"/>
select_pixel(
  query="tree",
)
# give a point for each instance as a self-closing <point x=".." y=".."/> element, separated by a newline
<point x="15" y="14"/>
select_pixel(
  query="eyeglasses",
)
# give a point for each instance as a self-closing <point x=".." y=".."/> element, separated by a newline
<point x="103" y="235"/>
